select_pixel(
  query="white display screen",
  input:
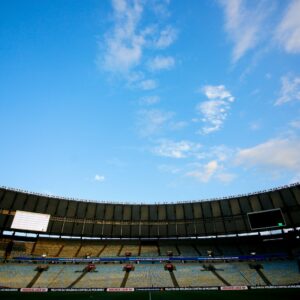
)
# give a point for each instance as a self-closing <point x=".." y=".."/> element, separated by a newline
<point x="30" y="221"/>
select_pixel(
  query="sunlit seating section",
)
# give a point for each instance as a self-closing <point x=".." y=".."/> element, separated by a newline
<point x="133" y="249"/>
<point x="49" y="278"/>
<point x="231" y="273"/>
<point x="3" y="245"/>
<point x="149" y="250"/>
<point x="165" y="248"/>
<point x="149" y="275"/>
<point x="193" y="275"/>
<point x="106" y="275"/>
<point x="18" y="249"/>
<point x="29" y="247"/>
<point x="16" y="276"/>
<point x="50" y="248"/>
<point x="250" y="275"/>
<point x="111" y="250"/>
<point x="187" y="250"/>
<point x="69" y="249"/>
<point x="282" y="272"/>
<point x="92" y="250"/>
<point x="2" y="253"/>
<point x="61" y="277"/>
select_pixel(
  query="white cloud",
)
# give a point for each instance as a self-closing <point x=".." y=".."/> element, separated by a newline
<point x="166" y="38"/>
<point x="182" y="149"/>
<point x="206" y="172"/>
<point x="148" y="84"/>
<point x="124" y="46"/>
<point x="217" y="91"/>
<point x="152" y="121"/>
<point x="274" y="155"/>
<point x="288" y="31"/>
<point x="295" y="124"/>
<point x="99" y="178"/>
<point x="214" y="111"/>
<point x="160" y="7"/>
<point x="290" y="90"/>
<point x="161" y="63"/>
<point x="149" y="100"/>
<point x="243" y="24"/>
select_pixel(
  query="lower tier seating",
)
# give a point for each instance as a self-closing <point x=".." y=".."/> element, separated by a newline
<point x="19" y="275"/>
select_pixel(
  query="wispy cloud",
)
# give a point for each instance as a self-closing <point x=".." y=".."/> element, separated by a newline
<point x="124" y="45"/>
<point x="148" y="84"/>
<point x="181" y="149"/>
<point x="149" y="100"/>
<point x="290" y="90"/>
<point x="217" y="91"/>
<point x="195" y="161"/>
<point x="295" y="124"/>
<point x="288" y="31"/>
<point x="161" y="63"/>
<point x="123" y="49"/>
<point x="243" y="24"/>
<point x="214" y="111"/>
<point x="160" y="7"/>
<point x="166" y="37"/>
<point x="205" y="173"/>
<point x="152" y="121"/>
<point x="99" y="178"/>
<point x="274" y="155"/>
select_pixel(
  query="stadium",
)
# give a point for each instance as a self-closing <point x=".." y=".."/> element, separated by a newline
<point x="236" y="246"/>
<point x="175" y="125"/>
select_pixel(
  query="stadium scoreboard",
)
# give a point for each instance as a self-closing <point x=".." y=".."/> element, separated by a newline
<point x="25" y="220"/>
<point x="265" y="219"/>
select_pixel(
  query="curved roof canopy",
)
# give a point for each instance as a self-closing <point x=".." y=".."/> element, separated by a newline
<point x="107" y="220"/>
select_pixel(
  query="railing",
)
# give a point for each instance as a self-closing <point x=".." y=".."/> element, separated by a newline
<point x="155" y="203"/>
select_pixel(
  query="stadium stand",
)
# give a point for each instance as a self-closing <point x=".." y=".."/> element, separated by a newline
<point x="165" y="249"/>
<point x="92" y="250"/>
<point x="282" y="272"/>
<point x="69" y="249"/>
<point x="132" y="249"/>
<point x="192" y="275"/>
<point x="16" y="275"/>
<point x="149" y="275"/>
<point x="47" y="247"/>
<point x="192" y="244"/>
<point x="149" y="250"/>
<point x="111" y="250"/>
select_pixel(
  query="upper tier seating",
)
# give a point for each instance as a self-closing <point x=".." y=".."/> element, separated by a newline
<point x="149" y="250"/>
<point x="111" y="250"/>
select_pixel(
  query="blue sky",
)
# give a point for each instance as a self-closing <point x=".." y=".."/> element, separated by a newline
<point x="149" y="101"/>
